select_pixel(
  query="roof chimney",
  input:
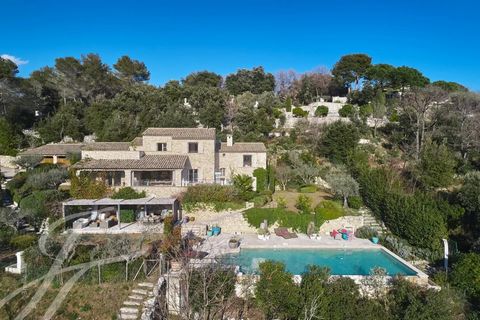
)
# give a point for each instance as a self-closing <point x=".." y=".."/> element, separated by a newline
<point x="229" y="140"/>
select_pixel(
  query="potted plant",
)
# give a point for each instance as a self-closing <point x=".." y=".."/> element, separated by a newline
<point x="263" y="234"/>
<point x="233" y="243"/>
<point x="216" y="230"/>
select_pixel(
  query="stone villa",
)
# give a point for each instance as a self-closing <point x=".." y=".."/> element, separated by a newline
<point x="163" y="161"/>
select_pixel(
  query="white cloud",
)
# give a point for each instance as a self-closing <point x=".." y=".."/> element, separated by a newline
<point x="16" y="60"/>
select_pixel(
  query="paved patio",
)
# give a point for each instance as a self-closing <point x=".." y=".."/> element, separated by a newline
<point x="218" y="245"/>
<point x="135" y="227"/>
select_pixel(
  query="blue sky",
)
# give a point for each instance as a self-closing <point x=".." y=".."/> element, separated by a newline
<point x="174" y="38"/>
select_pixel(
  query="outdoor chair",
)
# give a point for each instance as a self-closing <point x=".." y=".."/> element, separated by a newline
<point x="284" y="233"/>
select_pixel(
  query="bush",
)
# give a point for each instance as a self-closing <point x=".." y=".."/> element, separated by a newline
<point x="366" y="110"/>
<point x="242" y="185"/>
<point x="321" y="111"/>
<point x="281" y="203"/>
<point x="168" y="225"/>
<point x="308" y="189"/>
<point x="299" y="112"/>
<point x="288" y="104"/>
<point x="304" y="204"/>
<point x="128" y="193"/>
<point x="127" y="216"/>
<point x="38" y="205"/>
<point x="328" y="210"/>
<point x="22" y="242"/>
<point x="209" y="193"/>
<point x="346" y="111"/>
<point x="86" y="187"/>
<point x="261" y="200"/>
<point x="355" y="202"/>
<point x="366" y="232"/>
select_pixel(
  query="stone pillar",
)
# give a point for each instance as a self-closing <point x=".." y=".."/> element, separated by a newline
<point x="128" y="178"/>
<point x="55" y="159"/>
<point x="20" y="265"/>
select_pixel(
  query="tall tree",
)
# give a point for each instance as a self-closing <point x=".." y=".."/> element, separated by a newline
<point x="255" y="81"/>
<point x="378" y="109"/>
<point x="381" y="75"/>
<point x="204" y="79"/>
<point x="351" y="69"/>
<point x="406" y="77"/>
<point x="417" y="104"/>
<point x="131" y="70"/>
<point x="8" y="69"/>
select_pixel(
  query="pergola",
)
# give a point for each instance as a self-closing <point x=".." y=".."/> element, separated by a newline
<point x="117" y="203"/>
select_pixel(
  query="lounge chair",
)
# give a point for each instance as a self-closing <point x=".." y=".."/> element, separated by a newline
<point x="284" y="233"/>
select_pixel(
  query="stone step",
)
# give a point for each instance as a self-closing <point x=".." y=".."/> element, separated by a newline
<point x="128" y="316"/>
<point x="146" y="285"/>
<point x="140" y="292"/>
<point x="131" y="303"/>
<point x="136" y="297"/>
<point x="128" y="310"/>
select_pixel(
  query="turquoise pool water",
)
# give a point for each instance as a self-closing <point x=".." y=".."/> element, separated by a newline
<point x="339" y="261"/>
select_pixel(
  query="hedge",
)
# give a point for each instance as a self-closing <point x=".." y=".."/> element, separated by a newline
<point x="346" y="111"/>
<point x="261" y="176"/>
<point x="418" y="218"/>
<point x="284" y="218"/>
<point x="209" y="193"/>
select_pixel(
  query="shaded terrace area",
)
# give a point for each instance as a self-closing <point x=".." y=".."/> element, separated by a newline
<point x="118" y="215"/>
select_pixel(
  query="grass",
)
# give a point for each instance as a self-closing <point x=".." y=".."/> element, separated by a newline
<point x="292" y="196"/>
<point x="84" y="301"/>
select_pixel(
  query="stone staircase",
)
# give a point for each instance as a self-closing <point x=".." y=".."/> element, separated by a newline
<point x="371" y="221"/>
<point x="140" y="298"/>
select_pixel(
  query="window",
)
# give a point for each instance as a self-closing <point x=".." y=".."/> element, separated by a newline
<point x="193" y="147"/>
<point x="193" y="175"/>
<point x="161" y="146"/>
<point x="222" y="172"/>
<point x="247" y="160"/>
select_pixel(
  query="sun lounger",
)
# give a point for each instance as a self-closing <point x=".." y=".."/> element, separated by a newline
<point x="284" y="233"/>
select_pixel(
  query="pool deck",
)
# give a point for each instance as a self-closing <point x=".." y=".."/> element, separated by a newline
<point x="218" y="245"/>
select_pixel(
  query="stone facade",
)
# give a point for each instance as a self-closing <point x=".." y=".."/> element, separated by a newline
<point x="164" y="161"/>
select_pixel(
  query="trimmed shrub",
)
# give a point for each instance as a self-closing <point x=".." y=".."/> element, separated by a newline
<point x="346" y="111"/>
<point x="366" y="232"/>
<point x="329" y="210"/>
<point x="308" y="189"/>
<point x="299" y="112"/>
<point x="127" y="216"/>
<point x="366" y="110"/>
<point x="261" y="178"/>
<point x="355" y="202"/>
<point x="288" y="104"/>
<point x="261" y="200"/>
<point x="321" y="111"/>
<point x="128" y="193"/>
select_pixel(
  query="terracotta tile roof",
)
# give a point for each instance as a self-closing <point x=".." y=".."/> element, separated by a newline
<point x="146" y="162"/>
<point x="243" y="147"/>
<point x="58" y="149"/>
<point x="137" y="142"/>
<point x="107" y="146"/>
<point x="182" y="133"/>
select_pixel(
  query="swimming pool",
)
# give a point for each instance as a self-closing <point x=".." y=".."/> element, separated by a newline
<point x="339" y="261"/>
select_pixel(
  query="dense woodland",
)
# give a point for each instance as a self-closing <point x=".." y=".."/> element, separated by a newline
<point x="418" y="174"/>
